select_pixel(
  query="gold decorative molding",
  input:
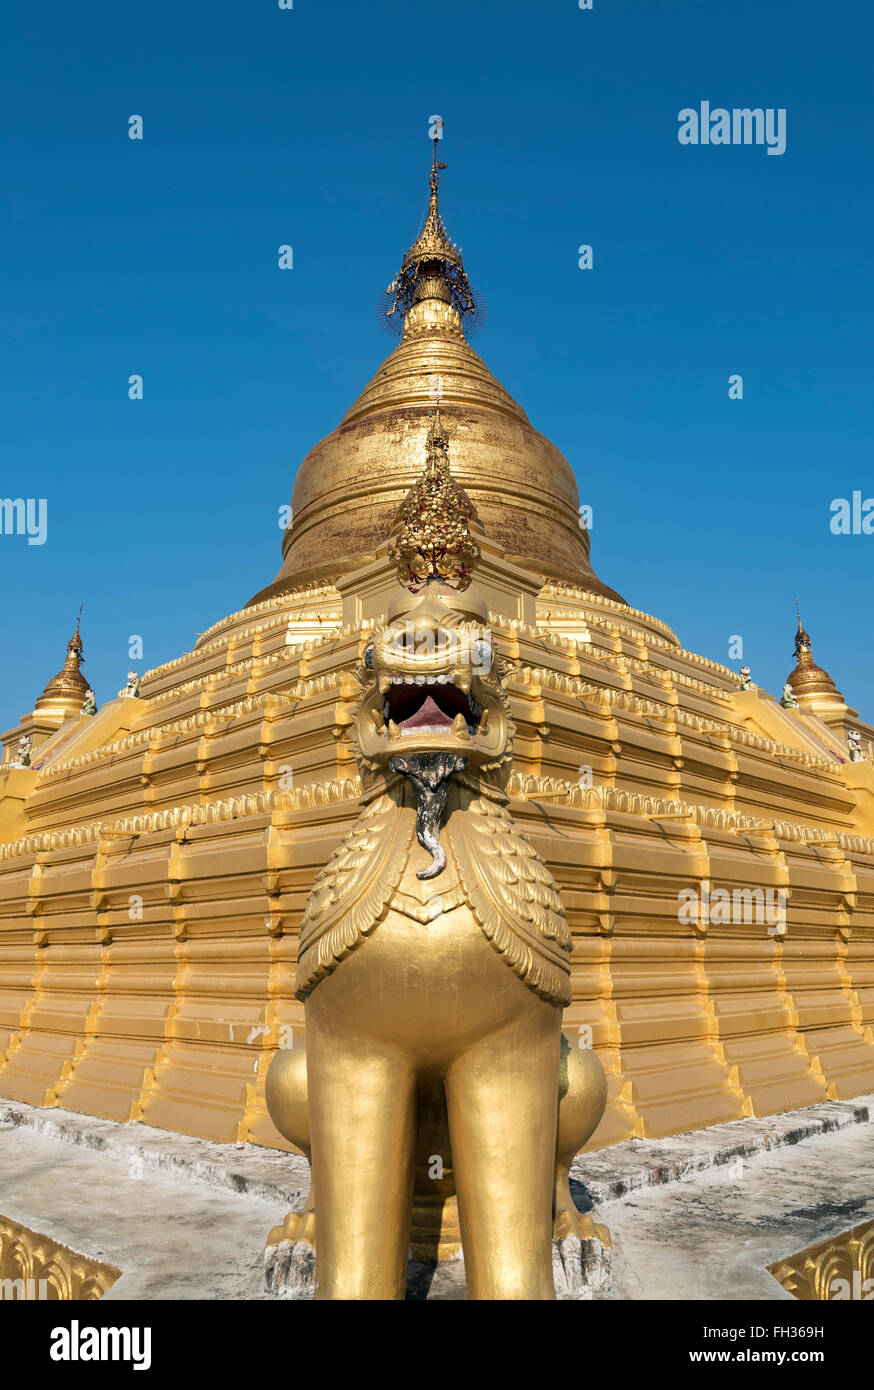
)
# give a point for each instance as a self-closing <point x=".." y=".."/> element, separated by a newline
<point x="590" y="603"/>
<point x="34" y="1266"/>
<point x="529" y="787"/>
<point x="278" y="601"/>
<point x="649" y="708"/>
<point x="227" y="809"/>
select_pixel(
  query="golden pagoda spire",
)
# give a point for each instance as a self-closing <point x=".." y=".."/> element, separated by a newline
<point x="807" y="678"/>
<point x="432" y="268"/>
<point x="431" y="536"/>
<point x="803" y="649"/>
<point x="69" y="685"/>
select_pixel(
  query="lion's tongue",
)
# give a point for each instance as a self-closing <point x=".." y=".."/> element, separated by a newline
<point x="428" y="714"/>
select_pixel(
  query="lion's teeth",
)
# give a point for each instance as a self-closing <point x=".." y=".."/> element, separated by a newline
<point x="483" y="726"/>
<point x="378" y="721"/>
<point x="421" y="680"/>
<point x="393" y="730"/>
<point x="459" y="727"/>
<point x="441" y="680"/>
<point x="384" y="682"/>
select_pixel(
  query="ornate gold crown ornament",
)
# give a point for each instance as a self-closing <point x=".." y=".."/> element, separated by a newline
<point x="431" y="536"/>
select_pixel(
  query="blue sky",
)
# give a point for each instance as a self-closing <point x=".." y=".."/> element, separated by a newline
<point x="309" y="127"/>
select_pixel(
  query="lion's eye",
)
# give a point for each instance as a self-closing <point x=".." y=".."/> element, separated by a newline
<point x="368" y="657"/>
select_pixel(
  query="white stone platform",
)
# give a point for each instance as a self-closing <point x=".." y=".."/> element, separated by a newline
<point x="696" y="1216"/>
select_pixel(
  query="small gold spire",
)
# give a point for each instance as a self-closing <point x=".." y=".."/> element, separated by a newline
<point x="803" y="653"/>
<point x="69" y="683"/>
<point x="431" y="536"/>
<point x="808" y="678"/>
<point x="75" y="642"/>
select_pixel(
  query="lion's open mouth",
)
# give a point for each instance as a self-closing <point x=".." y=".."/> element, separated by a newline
<point x="428" y="703"/>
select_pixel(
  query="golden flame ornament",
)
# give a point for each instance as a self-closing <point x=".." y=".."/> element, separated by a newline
<point x="431" y="537"/>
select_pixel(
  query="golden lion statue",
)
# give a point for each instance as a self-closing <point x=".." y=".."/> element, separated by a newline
<point x="434" y="965"/>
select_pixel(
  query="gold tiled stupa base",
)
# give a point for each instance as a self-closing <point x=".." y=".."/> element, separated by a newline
<point x="151" y="883"/>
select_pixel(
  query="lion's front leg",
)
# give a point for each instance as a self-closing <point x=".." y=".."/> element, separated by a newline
<point x="362" y="1106"/>
<point x="501" y="1096"/>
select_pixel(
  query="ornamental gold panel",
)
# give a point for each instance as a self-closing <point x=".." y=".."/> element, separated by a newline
<point x="37" y="1267"/>
<point x="837" y="1269"/>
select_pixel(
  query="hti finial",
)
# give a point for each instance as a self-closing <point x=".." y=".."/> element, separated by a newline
<point x="74" y="646"/>
<point x="433" y="266"/>
<point x="437" y="165"/>
<point x="802" y="640"/>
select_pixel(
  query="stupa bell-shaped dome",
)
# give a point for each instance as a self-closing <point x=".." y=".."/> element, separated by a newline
<point x="807" y="678"/>
<point x="65" y="692"/>
<point x="349" y="487"/>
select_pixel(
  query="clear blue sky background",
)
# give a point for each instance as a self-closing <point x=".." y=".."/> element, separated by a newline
<point x="309" y="126"/>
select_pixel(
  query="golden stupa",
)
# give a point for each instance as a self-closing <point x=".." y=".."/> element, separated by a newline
<point x="812" y="686"/>
<point x="350" y="485"/>
<point x="155" y="858"/>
